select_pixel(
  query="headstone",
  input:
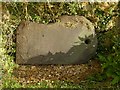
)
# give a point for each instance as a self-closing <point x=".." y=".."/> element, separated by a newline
<point x="71" y="40"/>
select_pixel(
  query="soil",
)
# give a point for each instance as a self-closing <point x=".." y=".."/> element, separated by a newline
<point x="72" y="73"/>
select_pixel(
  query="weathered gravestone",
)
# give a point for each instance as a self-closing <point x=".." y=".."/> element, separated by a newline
<point x="72" y="40"/>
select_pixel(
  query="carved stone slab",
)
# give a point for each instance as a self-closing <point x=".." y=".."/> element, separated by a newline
<point x="71" y="40"/>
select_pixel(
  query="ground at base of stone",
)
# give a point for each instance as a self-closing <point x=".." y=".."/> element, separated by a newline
<point x="72" y="73"/>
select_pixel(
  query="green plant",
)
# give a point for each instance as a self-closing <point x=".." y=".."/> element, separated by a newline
<point x="109" y="55"/>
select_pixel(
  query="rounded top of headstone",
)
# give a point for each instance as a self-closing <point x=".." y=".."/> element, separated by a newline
<point x="74" y="22"/>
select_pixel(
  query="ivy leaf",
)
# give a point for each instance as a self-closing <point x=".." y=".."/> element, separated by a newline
<point x="115" y="80"/>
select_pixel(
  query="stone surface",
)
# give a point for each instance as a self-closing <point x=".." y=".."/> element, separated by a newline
<point x="71" y="40"/>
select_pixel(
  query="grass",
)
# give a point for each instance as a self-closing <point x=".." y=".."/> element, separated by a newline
<point x="102" y="15"/>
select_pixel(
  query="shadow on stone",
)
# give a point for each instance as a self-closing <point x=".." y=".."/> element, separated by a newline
<point x="76" y="55"/>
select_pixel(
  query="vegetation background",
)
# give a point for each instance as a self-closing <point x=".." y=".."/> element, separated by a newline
<point x="104" y="15"/>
